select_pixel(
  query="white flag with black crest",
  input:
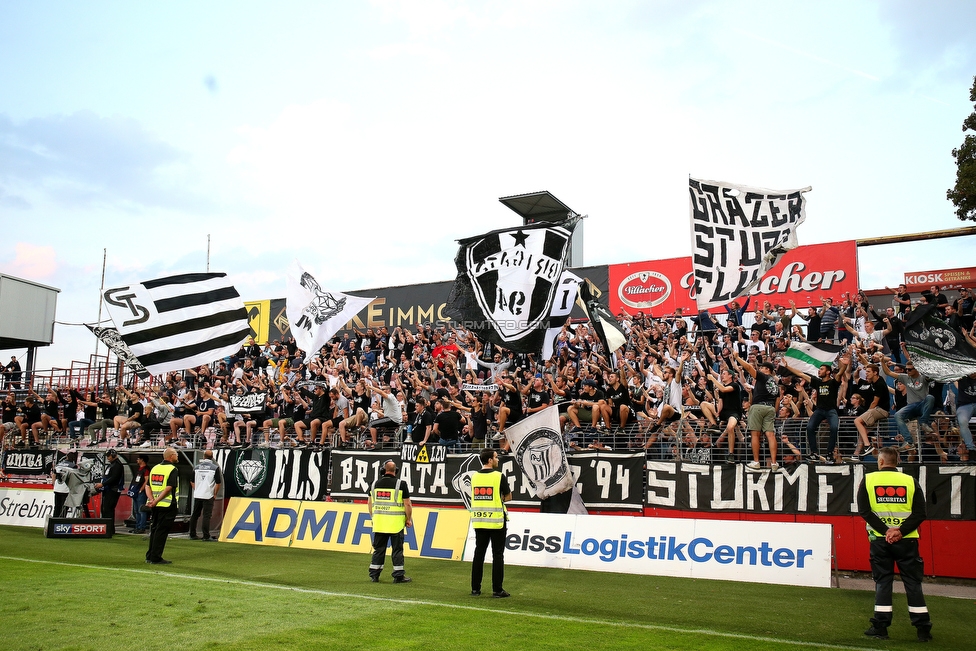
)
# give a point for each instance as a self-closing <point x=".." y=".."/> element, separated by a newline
<point x="315" y="314"/>
<point x="738" y="233"/>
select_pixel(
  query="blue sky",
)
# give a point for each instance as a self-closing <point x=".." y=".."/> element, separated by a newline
<point x="364" y="138"/>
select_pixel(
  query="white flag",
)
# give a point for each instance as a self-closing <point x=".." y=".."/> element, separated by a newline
<point x="179" y="322"/>
<point x="541" y="453"/>
<point x="315" y="314"/>
<point x="738" y="233"/>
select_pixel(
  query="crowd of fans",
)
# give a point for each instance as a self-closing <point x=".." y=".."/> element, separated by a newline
<point x="680" y="387"/>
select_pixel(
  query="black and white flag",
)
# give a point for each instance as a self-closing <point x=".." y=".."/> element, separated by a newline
<point x="938" y="350"/>
<point x="250" y="403"/>
<point x="562" y="307"/>
<point x="507" y="282"/>
<point x="540" y="452"/>
<point x="314" y="313"/>
<point x="179" y="322"/>
<point x="738" y="233"/>
<point x="608" y="330"/>
<point x="111" y="338"/>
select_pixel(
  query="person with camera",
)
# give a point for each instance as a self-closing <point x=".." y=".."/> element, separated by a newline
<point x="112" y="482"/>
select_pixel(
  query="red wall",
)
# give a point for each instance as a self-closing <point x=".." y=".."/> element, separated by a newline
<point x="944" y="544"/>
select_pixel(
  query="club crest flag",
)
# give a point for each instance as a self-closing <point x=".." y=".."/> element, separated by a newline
<point x="507" y="281"/>
<point x="541" y="453"/>
<point x="111" y="338"/>
<point x="178" y="322"/>
<point x="938" y="350"/>
<point x="738" y="233"/>
<point x="314" y="313"/>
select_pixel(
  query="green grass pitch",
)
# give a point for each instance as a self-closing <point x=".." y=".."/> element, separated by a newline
<point x="100" y="594"/>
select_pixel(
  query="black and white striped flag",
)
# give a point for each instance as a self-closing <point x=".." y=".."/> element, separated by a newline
<point x="179" y="322"/>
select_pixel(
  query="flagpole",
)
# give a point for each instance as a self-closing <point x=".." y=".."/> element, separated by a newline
<point x="208" y="252"/>
<point x="100" y="290"/>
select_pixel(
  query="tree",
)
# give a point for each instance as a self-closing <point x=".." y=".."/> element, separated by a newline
<point x="963" y="195"/>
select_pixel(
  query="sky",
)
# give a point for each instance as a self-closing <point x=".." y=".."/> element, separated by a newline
<point x="365" y="138"/>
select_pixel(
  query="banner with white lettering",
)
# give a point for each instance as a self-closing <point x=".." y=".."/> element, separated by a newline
<point x="28" y="461"/>
<point x="738" y="234"/>
<point x="799" y="489"/>
<point x="294" y="474"/>
<point x="251" y="403"/>
<point x="605" y="480"/>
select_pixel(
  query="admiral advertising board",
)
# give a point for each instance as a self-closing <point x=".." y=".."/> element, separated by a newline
<point x="756" y="552"/>
<point x="436" y="533"/>
<point x="803" y="275"/>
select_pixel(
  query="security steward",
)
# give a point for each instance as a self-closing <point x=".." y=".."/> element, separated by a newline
<point x="893" y="506"/>
<point x="391" y="511"/>
<point x="162" y="489"/>
<point x="489" y="517"/>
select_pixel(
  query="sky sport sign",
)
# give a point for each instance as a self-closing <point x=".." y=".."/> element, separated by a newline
<point x="755" y="552"/>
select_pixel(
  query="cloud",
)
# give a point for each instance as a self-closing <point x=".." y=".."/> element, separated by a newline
<point x="86" y="160"/>
<point x="8" y="200"/>
<point x="33" y="262"/>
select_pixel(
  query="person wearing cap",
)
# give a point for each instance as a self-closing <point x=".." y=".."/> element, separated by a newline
<point x="162" y="490"/>
<point x="391" y="511"/>
<point x="112" y="482"/>
<point x="892" y="505"/>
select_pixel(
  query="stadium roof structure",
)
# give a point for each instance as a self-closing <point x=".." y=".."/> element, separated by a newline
<point x="538" y="206"/>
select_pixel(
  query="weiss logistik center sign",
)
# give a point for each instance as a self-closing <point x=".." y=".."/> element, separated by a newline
<point x="758" y="552"/>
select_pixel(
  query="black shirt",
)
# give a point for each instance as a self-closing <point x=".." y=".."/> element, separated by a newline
<point x="448" y="425"/>
<point x="826" y="393"/>
<point x="766" y="389"/>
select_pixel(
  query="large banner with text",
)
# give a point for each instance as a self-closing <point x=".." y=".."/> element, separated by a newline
<point x="436" y="533"/>
<point x="950" y="491"/>
<point x="757" y="552"/>
<point x="606" y="480"/>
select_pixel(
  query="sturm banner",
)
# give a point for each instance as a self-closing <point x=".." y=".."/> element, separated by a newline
<point x="605" y="480"/>
<point x="800" y="489"/>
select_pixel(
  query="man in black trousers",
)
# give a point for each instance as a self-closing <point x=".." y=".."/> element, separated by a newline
<point x="162" y="489"/>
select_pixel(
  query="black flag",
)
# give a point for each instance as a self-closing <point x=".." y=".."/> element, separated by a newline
<point x="611" y="335"/>
<point x="507" y="281"/>
<point x="938" y="350"/>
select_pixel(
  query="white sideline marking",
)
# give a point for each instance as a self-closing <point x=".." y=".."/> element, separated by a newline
<point x="419" y="602"/>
